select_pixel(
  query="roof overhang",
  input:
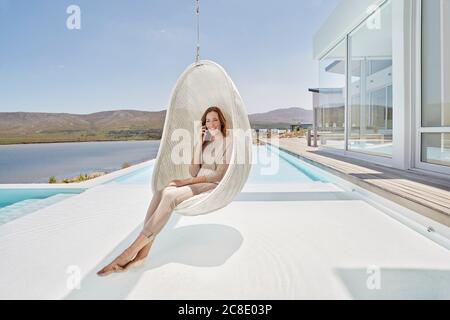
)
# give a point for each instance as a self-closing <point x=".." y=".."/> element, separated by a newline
<point x="345" y="17"/>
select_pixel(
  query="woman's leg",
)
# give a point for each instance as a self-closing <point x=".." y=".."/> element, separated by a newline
<point x="172" y="197"/>
<point x="183" y="194"/>
<point x="118" y="264"/>
<point x="156" y="199"/>
<point x="143" y="252"/>
<point x="168" y="198"/>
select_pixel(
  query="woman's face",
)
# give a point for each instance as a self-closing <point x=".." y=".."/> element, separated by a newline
<point x="213" y="122"/>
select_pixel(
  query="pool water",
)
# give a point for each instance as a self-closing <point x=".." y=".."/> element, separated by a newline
<point x="140" y="176"/>
<point x="11" y="196"/>
<point x="270" y="165"/>
<point x="15" y="203"/>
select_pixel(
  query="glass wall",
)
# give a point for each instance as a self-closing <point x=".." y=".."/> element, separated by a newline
<point x="369" y="75"/>
<point x="436" y="148"/>
<point x="435" y="119"/>
<point x="361" y="67"/>
<point x="370" y="85"/>
<point x="330" y="111"/>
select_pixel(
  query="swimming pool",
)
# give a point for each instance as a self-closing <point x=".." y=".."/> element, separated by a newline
<point x="270" y="165"/>
<point x="15" y="203"/>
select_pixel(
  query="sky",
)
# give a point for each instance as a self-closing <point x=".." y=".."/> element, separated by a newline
<point x="128" y="54"/>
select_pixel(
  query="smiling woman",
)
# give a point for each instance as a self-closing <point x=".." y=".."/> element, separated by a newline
<point x="205" y="84"/>
<point x="198" y="187"/>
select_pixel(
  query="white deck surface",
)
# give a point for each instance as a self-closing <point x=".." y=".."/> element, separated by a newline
<point x="303" y="242"/>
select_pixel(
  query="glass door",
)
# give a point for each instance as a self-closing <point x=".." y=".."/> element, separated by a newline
<point x="433" y="121"/>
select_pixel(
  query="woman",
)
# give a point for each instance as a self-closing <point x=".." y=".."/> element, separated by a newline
<point x="210" y="161"/>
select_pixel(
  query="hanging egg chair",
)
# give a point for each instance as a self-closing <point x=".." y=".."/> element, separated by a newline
<point x="202" y="85"/>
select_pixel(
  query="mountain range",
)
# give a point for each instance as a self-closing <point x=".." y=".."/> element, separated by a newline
<point x="31" y="127"/>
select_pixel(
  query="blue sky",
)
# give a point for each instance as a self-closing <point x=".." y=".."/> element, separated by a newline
<point x="129" y="53"/>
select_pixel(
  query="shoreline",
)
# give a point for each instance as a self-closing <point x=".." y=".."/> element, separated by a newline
<point x="37" y="163"/>
<point x="73" y="141"/>
<point x="104" y="174"/>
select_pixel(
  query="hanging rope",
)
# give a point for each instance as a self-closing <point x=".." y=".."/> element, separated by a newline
<point x="197" y="58"/>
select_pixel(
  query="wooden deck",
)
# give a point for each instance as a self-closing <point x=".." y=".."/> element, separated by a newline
<point x="425" y="194"/>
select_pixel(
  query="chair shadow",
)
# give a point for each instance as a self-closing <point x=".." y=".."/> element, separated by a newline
<point x="204" y="245"/>
<point x="397" y="284"/>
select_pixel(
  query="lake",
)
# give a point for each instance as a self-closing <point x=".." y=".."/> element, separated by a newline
<point x="35" y="163"/>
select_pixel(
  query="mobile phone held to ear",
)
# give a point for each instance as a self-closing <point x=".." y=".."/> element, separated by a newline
<point x="208" y="136"/>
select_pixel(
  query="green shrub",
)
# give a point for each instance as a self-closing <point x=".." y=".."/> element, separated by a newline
<point x="126" y="165"/>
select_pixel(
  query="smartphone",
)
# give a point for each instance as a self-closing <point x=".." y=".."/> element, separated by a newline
<point x="208" y="136"/>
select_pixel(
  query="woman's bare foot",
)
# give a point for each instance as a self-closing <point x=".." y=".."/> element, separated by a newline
<point x="140" y="258"/>
<point x="118" y="265"/>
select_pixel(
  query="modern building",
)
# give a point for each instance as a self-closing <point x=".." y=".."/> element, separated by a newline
<point x="384" y="82"/>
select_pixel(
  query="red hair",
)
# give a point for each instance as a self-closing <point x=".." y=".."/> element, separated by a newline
<point x="223" y="121"/>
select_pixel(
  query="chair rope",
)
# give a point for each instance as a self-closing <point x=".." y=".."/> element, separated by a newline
<point x="197" y="58"/>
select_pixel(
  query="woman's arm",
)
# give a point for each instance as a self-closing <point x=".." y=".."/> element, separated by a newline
<point x="218" y="174"/>
<point x="196" y="160"/>
<point x="197" y="155"/>
<point x="223" y="163"/>
<point x="215" y="177"/>
<point x="188" y="181"/>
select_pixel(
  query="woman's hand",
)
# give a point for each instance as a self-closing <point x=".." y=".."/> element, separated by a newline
<point x="179" y="183"/>
<point x="202" y="134"/>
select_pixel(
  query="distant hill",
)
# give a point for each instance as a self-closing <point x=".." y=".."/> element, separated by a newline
<point x="28" y="127"/>
<point x="281" y="118"/>
<point x="32" y="123"/>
